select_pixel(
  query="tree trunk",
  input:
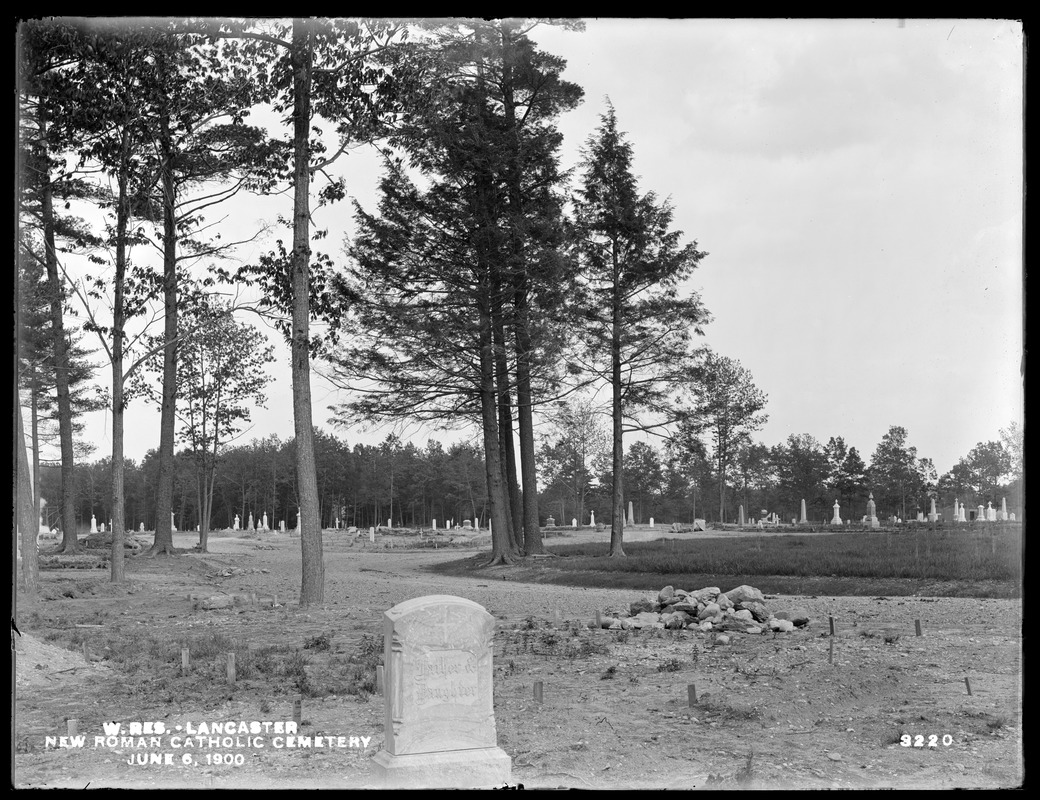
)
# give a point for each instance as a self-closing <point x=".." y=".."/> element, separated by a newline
<point x="505" y="433"/>
<point x="118" y="315"/>
<point x="502" y="551"/>
<point x="163" y="541"/>
<point x="312" y="588"/>
<point x="28" y="525"/>
<point x="525" y="423"/>
<point x="67" y="507"/>
<point x="617" y="492"/>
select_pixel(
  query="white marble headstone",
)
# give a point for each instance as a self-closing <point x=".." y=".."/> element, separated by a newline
<point x="439" y="716"/>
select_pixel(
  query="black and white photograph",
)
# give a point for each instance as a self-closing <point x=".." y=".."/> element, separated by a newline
<point x="592" y="403"/>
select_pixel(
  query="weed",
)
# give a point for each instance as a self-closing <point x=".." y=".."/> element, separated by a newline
<point x="549" y="638"/>
<point x="671" y="665"/>
<point x="621" y="637"/>
<point x="892" y="638"/>
<point x="609" y="673"/>
<point x="319" y="643"/>
<point x="265" y="706"/>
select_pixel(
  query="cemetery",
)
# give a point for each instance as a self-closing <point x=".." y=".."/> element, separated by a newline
<point x="497" y="676"/>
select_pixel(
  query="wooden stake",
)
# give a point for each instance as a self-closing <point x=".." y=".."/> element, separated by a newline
<point x="599" y="620"/>
<point x="691" y="695"/>
<point x="832" y="625"/>
<point x="297" y="710"/>
<point x="73" y="727"/>
<point x="274" y="601"/>
<point x="830" y="656"/>
<point x="379" y="678"/>
<point x="231" y="667"/>
<point x="538" y="691"/>
<point x="917" y="626"/>
<point x="185" y="664"/>
<point x="967" y="685"/>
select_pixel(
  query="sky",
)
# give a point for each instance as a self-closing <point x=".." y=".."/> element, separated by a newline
<point x="858" y="187"/>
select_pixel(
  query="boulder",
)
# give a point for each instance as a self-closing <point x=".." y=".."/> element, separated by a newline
<point x="676" y="619"/>
<point x="709" y="611"/>
<point x="665" y="594"/>
<point x="685" y="606"/>
<point x="644" y="619"/>
<point x="799" y="616"/>
<point x="707" y="594"/>
<point x="640" y="606"/>
<point x="723" y="639"/>
<point x="743" y="594"/>
<point x="609" y="622"/>
<point x="724" y="602"/>
<point x="706" y="625"/>
<point x="743" y="614"/>
<point x="781" y="625"/>
<point x="758" y="610"/>
<point x="753" y="629"/>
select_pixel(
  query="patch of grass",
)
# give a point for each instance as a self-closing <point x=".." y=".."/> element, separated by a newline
<point x="671" y="665"/>
<point x="609" y="673"/>
<point x="318" y="643"/>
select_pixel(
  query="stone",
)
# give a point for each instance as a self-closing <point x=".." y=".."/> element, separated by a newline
<point x="743" y="594"/>
<point x="371" y="534"/>
<point x="932" y="516"/>
<point x="651" y="522"/>
<point x="592" y="519"/>
<point x="803" y="518"/>
<point x="238" y="522"/>
<point x="706" y="625"/>
<point x="640" y="606"/>
<point x="700" y="525"/>
<point x="724" y="602"/>
<point x="264" y="526"/>
<point x="675" y="620"/>
<point x="250" y="526"/>
<point x="722" y="639"/>
<point x="574" y="522"/>
<point x="644" y="619"/>
<point x="758" y="610"/>
<point x="836" y="519"/>
<point x="1003" y="509"/>
<point x="101" y="529"/>
<point x="439" y="718"/>
<point x="352" y="529"/>
<point x="600" y="527"/>
<point x="870" y="519"/>
<point x="666" y="593"/>
<point x="781" y="625"/>
<point x="93" y="524"/>
<point x="740" y="516"/>
<point x="281" y="526"/>
<point x="141" y="528"/>
<point x="753" y="629"/>
<point x="550" y="523"/>
<point x="709" y="611"/>
<point x="467" y="525"/>
<point x="706" y="595"/>
<point x="631" y="515"/>
<point x="743" y="614"/>
<point x="991" y="513"/>
<point x="798" y="616"/>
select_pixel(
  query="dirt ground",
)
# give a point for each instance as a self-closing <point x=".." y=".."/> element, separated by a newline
<point x="772" y="710"/>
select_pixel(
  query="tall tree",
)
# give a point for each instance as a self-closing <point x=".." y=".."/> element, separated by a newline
<point x="577" y="442"/>
<point x="728" y="408"/>
<point x="801" y="469"/>
<point x="640" y="327"/>
<point x="898" y="478"/>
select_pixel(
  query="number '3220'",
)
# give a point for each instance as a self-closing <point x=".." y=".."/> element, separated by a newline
<point x="906" y="740"/>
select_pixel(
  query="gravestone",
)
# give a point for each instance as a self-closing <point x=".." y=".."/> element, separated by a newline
<point x="237" y="522"/>
<point x="264" y="525"/>
<point x="467" y="525"/>
<point x="372" y="535"/>
<point x="932" y="516"/>
<point x="550" y="523"/>
<point x="740" y="516"/>
<point x="1003" y="509"/>
<point x="93" y="524"/>
<point x="980" y="514"/>
<point x="250" y="526"/>
<point x="281" y="526"/>
<point x="631" y="515"/>
<point x="956" y="510"/>
<point x="651" y="522"/>
<point x="102" y="528"/>
<point x="389" y="525"/>
<point x="141" y="528"/>
<point x="962" y="515"/>
<point x="439" y="716"/>
<point x="991" y="512"/>
<point x="836" y="519"/>
<point x="700" y="525"/>
<point x="574" y="522"/>
<point x="592" y="518"/>
<point x="803" y="518"/>
<point x="1011" y="517"/>
<point x="435" y="523"/>
<point x="337" y="523"/>
<point x="871" y="519"/>
<point x="173" y="524"/>
<point x="920" y="516"/>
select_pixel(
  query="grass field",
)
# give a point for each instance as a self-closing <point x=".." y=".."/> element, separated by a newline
<point x="945" y="563"/>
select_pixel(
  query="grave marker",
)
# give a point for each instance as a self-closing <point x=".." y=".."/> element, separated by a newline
<point x="438" y="701"/>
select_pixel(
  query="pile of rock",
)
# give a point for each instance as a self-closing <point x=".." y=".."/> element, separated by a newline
<point x="742" y="609"/>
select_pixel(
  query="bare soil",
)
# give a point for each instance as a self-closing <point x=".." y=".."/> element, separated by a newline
<point x="772" y="710"/>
